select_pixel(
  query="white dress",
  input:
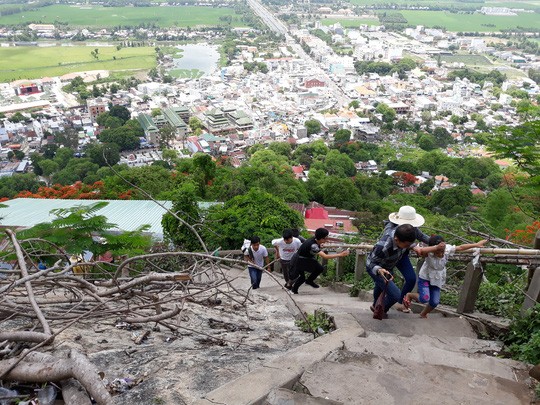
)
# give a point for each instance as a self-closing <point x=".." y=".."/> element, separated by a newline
<point x="434" y="267"/>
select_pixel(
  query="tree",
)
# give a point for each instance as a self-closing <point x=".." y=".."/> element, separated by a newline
<point x="167" y="134"/>
<point x="120" y="112"/>
<point x="426" y="187"/>
<point x="340" y="192"/>
<point x="195" y="123"/>
<point x="103" y="154"/>
<point x="254" y="213"/>
<point x="312" y="126"/>
<point x="451" y="201"/>
<point x="341" y="137"/>
<point x="68" y="138"/>
<point x="125" y="137"/>
<point x="402" y="166"/>
<point x="63" y="156"/>
<point x="339" y="164"/>
<point x="49" y="151"/>
<point x="402" y="125"/>
<point x="281" y="148"/>
<point x="48" y="168"/>
<point x="521" y="144"/>
<point x="75" y="170"/>
<point x="426" y="142"/>
<point x="388" y="114"/>
<point x="184" y="206"/>
<point x="442" y="137"/>
<point x="75" y="230"/>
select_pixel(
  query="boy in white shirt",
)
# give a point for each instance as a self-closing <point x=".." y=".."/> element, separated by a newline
<point x="256" y="254"/>
<point x="286" y="247"/>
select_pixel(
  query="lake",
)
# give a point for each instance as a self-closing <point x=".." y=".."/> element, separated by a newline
<point x="201" y="57"/>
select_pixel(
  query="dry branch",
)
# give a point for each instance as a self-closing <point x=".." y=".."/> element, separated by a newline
<point x="57" y="370"/>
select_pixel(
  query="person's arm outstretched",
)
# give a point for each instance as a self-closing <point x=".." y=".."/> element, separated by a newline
<point x="466" y="246"/>
<point x="325" y="255"/>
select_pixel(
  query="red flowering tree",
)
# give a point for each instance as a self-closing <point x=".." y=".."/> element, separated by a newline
<point x="404" y="179"/>
<point x="76" y="191"/>
<point x="524" y="236"/>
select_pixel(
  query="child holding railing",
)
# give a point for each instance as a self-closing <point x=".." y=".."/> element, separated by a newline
<point x="432" y="275"/>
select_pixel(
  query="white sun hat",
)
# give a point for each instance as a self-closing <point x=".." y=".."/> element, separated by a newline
<point x="406" y="215"/>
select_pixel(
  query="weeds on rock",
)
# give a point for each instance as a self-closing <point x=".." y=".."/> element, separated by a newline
<point x="317" y="323"/>
<point x="523" y="337"/>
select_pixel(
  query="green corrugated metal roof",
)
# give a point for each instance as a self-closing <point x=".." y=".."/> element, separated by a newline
<point x="128" y="215"/>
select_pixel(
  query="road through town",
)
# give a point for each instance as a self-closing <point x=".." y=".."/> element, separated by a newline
<point x="277" y="26"/>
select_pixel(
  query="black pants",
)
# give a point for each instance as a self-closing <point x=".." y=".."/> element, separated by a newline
<point x="311" y="266"/>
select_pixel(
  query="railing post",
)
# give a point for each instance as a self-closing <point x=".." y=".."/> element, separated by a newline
<point x="359" y="264"/>
<point x="324" y="263"/>
<point x="469" y="290"/>
<point x="340" y="267"/>
<point x="533" y="285"/>
<point x="536" y="245"/>
<point x="533" y="292"/>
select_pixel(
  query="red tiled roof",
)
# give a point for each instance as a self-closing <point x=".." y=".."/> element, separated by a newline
<point x="316" y="213"/>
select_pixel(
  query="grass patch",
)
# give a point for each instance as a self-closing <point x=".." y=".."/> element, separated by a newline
<point x="186" y="73"/>
<point x="468" y="60"/>
<point x="451" y="21"/>
<point x="527" y="5"/>
<point x="36" y="62"/>
<point x="350" y="22"/>
<point x="469" y="22"/>
<point x="98" y="16"/>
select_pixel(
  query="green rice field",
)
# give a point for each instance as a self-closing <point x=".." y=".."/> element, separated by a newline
<point x="451" y="21"/>
<point x="524" y="4"/>
<point x="36" y="62"/>
<point x="470" y="22"/>
<point x="97" y="16"/>
<point x="351" y="22"/>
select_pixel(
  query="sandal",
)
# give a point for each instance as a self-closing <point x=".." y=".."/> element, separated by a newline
<point x="406" y="303"/>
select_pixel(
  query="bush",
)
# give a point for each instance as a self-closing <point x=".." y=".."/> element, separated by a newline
<point x="523" y="338"/>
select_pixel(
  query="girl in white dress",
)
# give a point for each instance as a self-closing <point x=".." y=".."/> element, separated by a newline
<point x="432" y="275"/>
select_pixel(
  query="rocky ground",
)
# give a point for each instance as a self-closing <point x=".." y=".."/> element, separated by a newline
<point x="216" y="344"/>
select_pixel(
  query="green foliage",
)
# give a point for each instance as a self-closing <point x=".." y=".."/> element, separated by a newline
<point x="316" y="321"/>
<point x="103" y="154"/>
<point x="384" y="69"/>
<point x="185" y="206"/>
<point x="474" y="76"/>
<point x="254" y="213"/>
<point x="521" y="144"/>
<point x="12" y="185"/>
<point x="127" y="137"/>
<point x="388" y="114"/>
<point x="451" y="201"/>
<point x="78" y="229"/>
<point x="523" y="337"/>
<point x="502" y="300"/>
<point x="364" y="284"/>
<point x="312" y="126"/>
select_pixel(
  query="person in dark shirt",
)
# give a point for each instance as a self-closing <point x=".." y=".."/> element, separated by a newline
<point x="391" y="251"/>
<point x="307" y="259"/>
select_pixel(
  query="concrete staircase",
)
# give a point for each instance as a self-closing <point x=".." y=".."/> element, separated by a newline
<point x="401" y="360"/>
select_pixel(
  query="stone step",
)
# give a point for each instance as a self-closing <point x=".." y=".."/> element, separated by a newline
<point x="282" y="396"/>
<point x="467" y="354"/>
<point x="371" y="379"/>
<point x="410" y="324"/>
